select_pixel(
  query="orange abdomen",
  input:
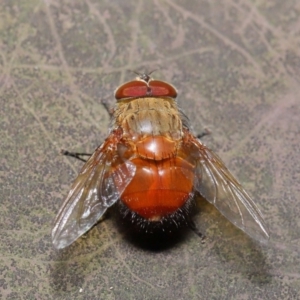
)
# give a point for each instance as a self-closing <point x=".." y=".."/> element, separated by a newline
<point x="158" y="188"/>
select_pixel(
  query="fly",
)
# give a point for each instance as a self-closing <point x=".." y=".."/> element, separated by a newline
<point x="152" y="165"/>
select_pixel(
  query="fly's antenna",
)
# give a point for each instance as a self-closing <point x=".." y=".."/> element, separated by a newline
<point x="144" y="76"/>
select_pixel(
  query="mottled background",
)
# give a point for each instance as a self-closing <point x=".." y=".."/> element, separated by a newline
<point x="236" y="64"/>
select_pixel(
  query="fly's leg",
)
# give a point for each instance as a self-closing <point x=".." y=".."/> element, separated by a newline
<point x="193" y="227"/>
<point x="75" y="154"/>
<point x="204" y="133"/>
<point x="78" y="155"/>
<point x="109" y="110"/>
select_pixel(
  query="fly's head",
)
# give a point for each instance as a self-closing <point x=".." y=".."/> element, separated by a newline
<point x="145" y="86"/>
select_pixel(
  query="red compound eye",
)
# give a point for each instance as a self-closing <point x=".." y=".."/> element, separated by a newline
<point x="152" y="88"/>
<point x="161" y="88"/>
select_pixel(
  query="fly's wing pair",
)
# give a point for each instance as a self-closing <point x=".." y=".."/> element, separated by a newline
<point x="93" y="191"/>
<point x="105" y="176"/>
<point x="218" y="186"/>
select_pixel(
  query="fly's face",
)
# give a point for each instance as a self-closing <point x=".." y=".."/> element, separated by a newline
<point x="152" y="165"/>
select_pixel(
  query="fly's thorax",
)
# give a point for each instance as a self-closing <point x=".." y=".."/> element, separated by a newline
<point x="149" y="116"/>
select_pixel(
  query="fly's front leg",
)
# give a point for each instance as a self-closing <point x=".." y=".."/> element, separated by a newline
<point x="107" y="107"/>
<point x="204" y="133"/>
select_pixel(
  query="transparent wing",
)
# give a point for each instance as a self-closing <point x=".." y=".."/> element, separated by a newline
<point x="101" y="181"/>
<point x="218" y="186"/>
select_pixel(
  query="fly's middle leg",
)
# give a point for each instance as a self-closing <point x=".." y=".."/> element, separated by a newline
<point x="75" y="154"/>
